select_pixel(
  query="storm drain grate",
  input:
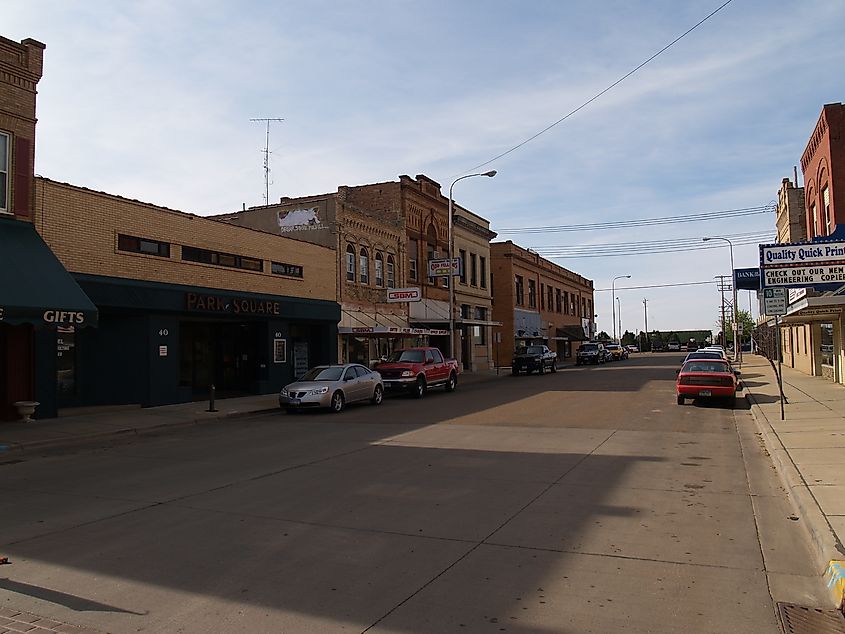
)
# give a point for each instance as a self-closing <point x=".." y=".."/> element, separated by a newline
<point x="796" y="619"/>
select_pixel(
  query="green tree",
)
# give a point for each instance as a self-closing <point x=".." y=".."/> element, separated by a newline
<point x="628" y="339"/>
<point x="603" y="336"/>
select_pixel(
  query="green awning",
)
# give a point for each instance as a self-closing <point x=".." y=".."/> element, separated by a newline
<point x="34" y="286"/>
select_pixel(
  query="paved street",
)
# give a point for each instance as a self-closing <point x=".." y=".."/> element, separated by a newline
<point x="581" y="501"/>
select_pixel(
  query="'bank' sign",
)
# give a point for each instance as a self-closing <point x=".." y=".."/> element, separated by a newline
<point x="747" y="279"/>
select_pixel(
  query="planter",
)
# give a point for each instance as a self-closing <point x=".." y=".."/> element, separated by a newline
<point x="26" y="409"/>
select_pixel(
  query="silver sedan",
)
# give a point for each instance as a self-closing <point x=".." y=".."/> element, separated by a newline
<point x="333" y="386"/>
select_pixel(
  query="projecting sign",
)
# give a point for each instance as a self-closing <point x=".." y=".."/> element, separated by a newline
<point x="747" y="279"/>
<point x="442" y="268"/>
<point x="802" y="264"/>
<point x="774" y="301"/>
<point x="403" y="295"/>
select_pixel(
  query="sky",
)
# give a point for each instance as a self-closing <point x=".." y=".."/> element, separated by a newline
<point x="152" y="100"/>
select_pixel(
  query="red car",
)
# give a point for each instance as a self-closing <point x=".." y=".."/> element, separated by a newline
<point x="706" y="378"/>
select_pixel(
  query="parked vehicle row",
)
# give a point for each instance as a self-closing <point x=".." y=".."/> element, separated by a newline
<point x="596" y="352"/>
<point x="707" y="373"/>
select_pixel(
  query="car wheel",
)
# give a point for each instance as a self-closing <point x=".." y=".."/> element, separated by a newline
<point x="452" y="383"/>
<point x="378" y="395"/>
<point x="418" y="390"/>
<point x="680" y="400"/>
<point x="338" y="402"/>
<point x="554" y="367"/>
<point x="514" y="371"/>
<point x="541" y="369"/>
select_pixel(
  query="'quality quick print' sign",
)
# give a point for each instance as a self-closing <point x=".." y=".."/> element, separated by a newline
<point x="805" y="264"/>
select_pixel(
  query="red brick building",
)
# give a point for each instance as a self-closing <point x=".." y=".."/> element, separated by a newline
<point x="823" y="165"/>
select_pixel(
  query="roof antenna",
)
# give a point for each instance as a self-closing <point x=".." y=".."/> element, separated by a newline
<point x="267" y="159"/>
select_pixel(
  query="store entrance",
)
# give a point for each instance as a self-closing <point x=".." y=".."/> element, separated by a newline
<point x="221" y="354"/>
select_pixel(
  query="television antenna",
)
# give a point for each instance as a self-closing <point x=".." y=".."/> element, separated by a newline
<point x="267" y="157"/>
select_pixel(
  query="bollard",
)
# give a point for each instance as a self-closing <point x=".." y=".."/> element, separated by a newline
<point x="211" y="399"/>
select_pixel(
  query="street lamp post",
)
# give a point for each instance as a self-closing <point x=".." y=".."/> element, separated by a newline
<point x="619" y="310"/>
<point x="613" y="303"/>
<point x="489" y="174"/>
<point x="737" y="344"/>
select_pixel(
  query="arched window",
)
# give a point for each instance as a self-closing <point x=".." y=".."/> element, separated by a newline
<point x="350" y="263"/>
<point x="363" y="267"/>
<point x="391" y="272"/>
<point x="379" y="270"/>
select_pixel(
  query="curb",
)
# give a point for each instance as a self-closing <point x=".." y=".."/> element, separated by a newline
<point x="827" y="550"/>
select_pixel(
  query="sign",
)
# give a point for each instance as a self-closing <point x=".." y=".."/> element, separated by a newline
<point x="747" y="279"/>
<point x="280" y="350"/>
<point x="774" y="301"/>
<point x="63" y="317"/>
<point x="441" y="268"/>
<point x="802" y="264"/>
<point x="796" y="293"/>
<point x="403" y="295"/>
<point x="233" y="305"/>
<point x="162" y="351"/>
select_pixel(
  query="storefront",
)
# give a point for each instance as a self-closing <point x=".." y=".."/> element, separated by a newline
<point x="367" y="345"/>
<point x="566" y="341"/>
<point x="39" y="302"/>
<point x="811" y="336"/>
<point x="166" y="343"/>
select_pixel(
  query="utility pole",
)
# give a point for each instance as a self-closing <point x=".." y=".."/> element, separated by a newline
<point x="267" y="159"/>
<point x="724" y="286"/>
<point x="645" y="315"/>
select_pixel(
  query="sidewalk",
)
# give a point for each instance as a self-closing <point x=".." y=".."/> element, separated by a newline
<point x="808" y="450"/>
<point x="97" y="424"/>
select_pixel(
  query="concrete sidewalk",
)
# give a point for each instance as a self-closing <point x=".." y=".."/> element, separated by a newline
<point x="98" y="424"/>
<point x="808" y="449"/>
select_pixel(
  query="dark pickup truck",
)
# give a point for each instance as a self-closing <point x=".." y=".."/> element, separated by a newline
<point x="529" y="358"/>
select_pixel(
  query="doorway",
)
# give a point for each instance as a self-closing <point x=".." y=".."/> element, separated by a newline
<point x="221" y="354"/>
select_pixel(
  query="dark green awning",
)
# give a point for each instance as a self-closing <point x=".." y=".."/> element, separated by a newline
<point x="570" y="333"/>
<point x="34" y="286"/>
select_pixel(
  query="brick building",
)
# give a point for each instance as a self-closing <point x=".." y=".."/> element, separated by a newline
<point x="184" y="301"/>
<point x="37" y="295"/>
<point x="384" y="235"/>
<point x="538" y="302"/>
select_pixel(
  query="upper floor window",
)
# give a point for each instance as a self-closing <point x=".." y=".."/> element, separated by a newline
<point x="413" y="254"/>
<point x="379" y="270"/>
<point x="350" y="263"/>
<point x="289" y="270"/>
<point x="4" y="172"/>
<point x="143" y="245"/>
<point x="814" y="215"/>
<point x="483" y="271"/>
<point x="532" y="294"/>
<point x="520" y="299"/>
<point x="542" y="296"/>
<point x="391" y="272"/>
<point x="828" y="219"/>
<point x="558" y="297"/>
<point x="205" y="256"/>
<point x="473" y="270"/>
<point x="463" y="256"/>
<point x="550" y="293"/>
<point x="364" y="267"/>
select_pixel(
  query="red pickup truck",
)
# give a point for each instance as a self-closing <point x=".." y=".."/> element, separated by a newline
<point x="417" y="369"/>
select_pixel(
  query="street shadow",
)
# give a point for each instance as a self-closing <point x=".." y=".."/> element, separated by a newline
<point x="72" y="601"/>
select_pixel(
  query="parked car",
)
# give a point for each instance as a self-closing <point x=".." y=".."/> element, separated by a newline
<point x="657" y="346"/>
<point x="415" y="370"/>
<point x="673" y="346"/>
<point x="332" y="386"/>
<point x="590" y="352"/>
<point x="717" y="349"/>
<point x="704" y="354"/>
<point x="632" y="348"/>
<point x="706" y="378"/>
<point x="529" y="358"/>
<point x="617" y="351"/>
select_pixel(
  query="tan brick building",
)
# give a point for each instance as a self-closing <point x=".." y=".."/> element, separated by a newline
<point x="538" y="302"/>
<point x="384" y="235"/>
<point x="184" y="302"/>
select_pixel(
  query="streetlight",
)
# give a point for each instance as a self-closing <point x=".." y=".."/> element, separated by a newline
<point x="619" y="309"/>
<point x="737" y="345"/>
<point x="489" y="174"/>
<point x="612" y="295"/>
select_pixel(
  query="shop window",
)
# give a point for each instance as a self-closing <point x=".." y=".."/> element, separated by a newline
<point x="482" y="273"/>
<point x="134" y="244"/>
<point x="363" y="267"/>
<point x="479" y="333"/>
<point x="379" y="270"/>
<point x="473" y="270"/>
<point x="827" y="344"/>
<point x="391" y="272"/>
<point x="463" y="256"/>
<point x="350" y="263"/>
<point x="413" y="253"/>
<point x="532" y="294"/>
<point x="4" y="172"/>
<point x="828" y="219"/>
<point x="520" y="299"/>
<point x="289" y="270"/>
<point x="464" y="311"/>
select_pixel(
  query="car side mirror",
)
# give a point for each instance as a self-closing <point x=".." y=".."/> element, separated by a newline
<point x="677" y="371"/>
<point x="737" y="372"/>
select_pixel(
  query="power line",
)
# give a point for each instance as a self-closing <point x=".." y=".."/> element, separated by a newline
<point x="613" y="85"/>
<point x="633" y="288"/>
<point x="644" y="222"/>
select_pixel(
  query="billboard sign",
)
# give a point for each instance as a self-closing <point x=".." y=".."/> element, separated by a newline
<point x="798" y="265"/>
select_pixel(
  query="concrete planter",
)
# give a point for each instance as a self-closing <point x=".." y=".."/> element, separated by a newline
<point x="26" y="409"/>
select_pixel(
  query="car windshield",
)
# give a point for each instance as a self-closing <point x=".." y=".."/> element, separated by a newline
<point x="703" y="355"/>
<point x="323" y="373"/>
<point x="406" y="356"/>
<point x="589" y="347"/>
<point x="530" y="350"/>
<point x="705" y="366"/>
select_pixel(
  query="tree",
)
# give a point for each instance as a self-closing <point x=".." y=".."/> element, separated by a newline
<point x="747" y="322"/>
<point x="603" y="336"/>
<point x="628" y="339"/>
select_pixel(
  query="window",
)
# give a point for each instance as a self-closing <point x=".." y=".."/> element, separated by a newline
<point x="532" y="294"/>
<point x="542" y="296"/>
<point x="432" y="255"/>
<point x="590" y="309"/>
<point x="828" y="220"/>
<point x="391" y="272"/>
<point x="473" y="272"/>
<point x="551" y="298"/>
<point x="479" y="333"/>
<point x="4" y="172"/>
<point x="438" y="357"/>
<point x="483" y="271"/>
<point x="413" y="253"/>
<point x="350" y="263"/>
<point x="520" y="300"/>
<point x="364" y="267"/>
<point x="558" y="307"/>
<point x="583" y="307"/>
<point x="814" y="228"/>
<point x="565" y="303"/>
<point x="463" y="256"/>
<point x="379" y="270"/>
<point x="142" y="245"/>
<point x="229" y="260"/>
<point x="429" y="356"/>
<point x="290" y="270"/>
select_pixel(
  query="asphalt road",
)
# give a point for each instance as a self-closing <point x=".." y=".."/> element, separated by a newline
<point x="581" y="501"/>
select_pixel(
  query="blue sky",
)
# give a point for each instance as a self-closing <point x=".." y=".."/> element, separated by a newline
<point x="152" y="100"/>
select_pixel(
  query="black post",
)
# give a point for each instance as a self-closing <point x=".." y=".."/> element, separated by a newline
<point x="211" y="399"/>
<point x="780" y="369"/>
